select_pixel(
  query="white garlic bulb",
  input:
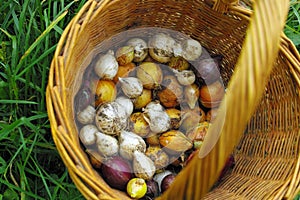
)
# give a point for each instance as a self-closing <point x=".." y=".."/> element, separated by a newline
<point x="131" y="86"/>
<point x="87" y="134"/>
<point x="140" y="49"/>
<point x="191" y="49"/>
<point x="161" y="47"/>
<point x="126" y="103"/>
<point x="157" y="118"/>
<point x="143" y="166"/>
<point x="109" y="120"/>
<point x="106" y="67"/>
<point x="107" y="145"/>
<point x="185" y="77"/>
<point x="129" y="143"/>
<point x="87" y="115"/>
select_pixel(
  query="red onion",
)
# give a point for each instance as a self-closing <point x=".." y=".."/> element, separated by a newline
<point x="152" y="189"/>
<point x="167" y="181"/>
<point x="117" y="172"/>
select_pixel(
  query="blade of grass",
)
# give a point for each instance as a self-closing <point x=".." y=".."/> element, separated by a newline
<point x="39" y="39"/>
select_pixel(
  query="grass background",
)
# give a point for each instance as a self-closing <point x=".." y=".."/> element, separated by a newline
<point x="30" y="166"/>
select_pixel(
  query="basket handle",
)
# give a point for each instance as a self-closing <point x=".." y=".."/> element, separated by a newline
<point x="245" y="89"/>
<point x="223" y="5"/>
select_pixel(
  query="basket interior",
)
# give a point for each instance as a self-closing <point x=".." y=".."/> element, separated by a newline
<point x="270" y="145"/>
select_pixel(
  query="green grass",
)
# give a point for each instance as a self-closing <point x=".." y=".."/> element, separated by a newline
<point x="30" y="166"/>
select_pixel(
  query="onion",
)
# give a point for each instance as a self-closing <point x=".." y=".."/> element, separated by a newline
<point x="167" y="181"/>
<point x="117" y="172"/>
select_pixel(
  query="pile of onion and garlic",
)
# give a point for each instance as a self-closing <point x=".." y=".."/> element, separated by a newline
<point x="144" y="108"/>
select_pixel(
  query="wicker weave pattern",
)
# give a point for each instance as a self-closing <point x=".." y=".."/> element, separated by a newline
<point x="267" y="157"/>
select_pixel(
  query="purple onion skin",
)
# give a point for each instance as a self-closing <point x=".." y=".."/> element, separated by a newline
<point x="117" y="172"/>
<point x="208" y="70"/>
<point x="152" y="189"/>
<point x="167" y="181"/>
<point x="83" y="99"/>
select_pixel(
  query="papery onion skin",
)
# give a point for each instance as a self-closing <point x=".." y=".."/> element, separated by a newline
<point x="117" y="172"/>
<point x="167" y="181"/>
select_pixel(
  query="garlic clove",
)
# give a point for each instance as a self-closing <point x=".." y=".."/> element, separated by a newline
<point x="158" y="120"/>
<point x="143" y="166"/>
<point x="108" y="120"/>
<point x="185" y="77"/>
<point x="87" y="115"/>
<point x="129" y="143"/>
<point x="126" y="103"/>
<point x="131" y="86"/>
<point x="140" y="49"/>
<point x="191" y="94"/>
<point x="106" y="67"/>
<point x="107" y="145"/>
<point x="87" y="134"/>
<point x="191" y="49"/>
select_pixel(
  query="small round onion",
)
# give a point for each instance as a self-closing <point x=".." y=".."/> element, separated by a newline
<point x="211" y="95"/>
<point x="140" y="49"/>
<point x="117" y="172"/>
<point x="150" y="74"/>
<point x="106" y="91"/>
<point x="125" y="55"/>
<point x="167" y="181"/>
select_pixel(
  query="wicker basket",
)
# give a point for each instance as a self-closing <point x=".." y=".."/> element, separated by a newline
<point x="261" y="69"/>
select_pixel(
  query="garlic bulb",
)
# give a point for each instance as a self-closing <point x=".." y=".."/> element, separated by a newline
<point x="158" y="120"/>
<point x="185" y="77"/>
<point x="129" y="143"/>
<point x="131" y="86"/>
<point x="87" y="134"/>
<point x="140" y="49"/>
<point x="107" y="145"/>
<point x="191" y="94"/>
<point x="126" y="103"/>
<point x="109" y="120"/>
<point x="87" y="115"/>
<point x="106" y="66"/>
<point x="161" y="47"/>
<point x="191" y="49"/>
<point x="143" y="166"/>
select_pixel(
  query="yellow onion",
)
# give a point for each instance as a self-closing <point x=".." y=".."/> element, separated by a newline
<point x="139" y="125"/>
<point x="178" y="63"/>
<point x="125" y="55"/>
<point x="150" y="74"/>
<point x="175" y="142"/>
<point x="106" y="91"/>
<point x="175" y="116"/>
<point x="152" y="139"/>
<point x="190" y="118"/>
<point x="124" y="71"/>
<point x="158" y="156"/>
<point x="198" y="133"/>
<point x="142" y="100"/>
<point x="212" y="95"/>
<point x="171" y="94"/>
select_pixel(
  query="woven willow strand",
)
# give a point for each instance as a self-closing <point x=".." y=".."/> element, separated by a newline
<point x="244" y="92"/>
